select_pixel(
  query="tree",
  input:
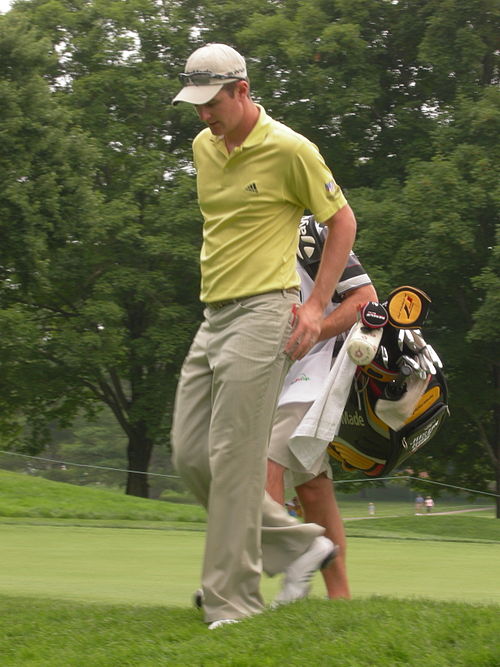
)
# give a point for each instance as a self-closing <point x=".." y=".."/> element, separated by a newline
<point x="100" y="271"/>
<point x="100" y="278"/>
<point x="441" y="234"/>
<point x="46" y="199"/>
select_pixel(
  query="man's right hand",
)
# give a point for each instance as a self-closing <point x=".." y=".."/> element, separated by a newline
<point x="306" y="332"/>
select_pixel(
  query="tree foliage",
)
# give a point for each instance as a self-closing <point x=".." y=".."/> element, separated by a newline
<point x="100" y="226"/>
<point x="102" y="258"/>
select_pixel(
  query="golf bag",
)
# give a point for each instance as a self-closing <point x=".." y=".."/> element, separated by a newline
<point x="397" y="404"/>
<point x="398" y="399"/>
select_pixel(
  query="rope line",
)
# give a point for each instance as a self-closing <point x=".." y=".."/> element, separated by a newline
<point x="418" y="479"/>
<point x="372" y="479"/>
<point x="86" y="465"/>
<point x="158" y="474"/>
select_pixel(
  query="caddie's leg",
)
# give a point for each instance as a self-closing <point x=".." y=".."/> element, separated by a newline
<point x="275" y="484"/>
<point x="318" y="501"/>
<point x="279" y="457"/>
<point x="283" y="538"/>
<point x="191" y="420"/>
<point x="249" y="368"/>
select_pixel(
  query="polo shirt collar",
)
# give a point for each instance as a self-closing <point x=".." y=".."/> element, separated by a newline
<point x="258" y="133"/>
<point x="259" y="130"/>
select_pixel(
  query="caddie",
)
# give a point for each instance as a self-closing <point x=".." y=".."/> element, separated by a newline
<point x="303" y="384"/>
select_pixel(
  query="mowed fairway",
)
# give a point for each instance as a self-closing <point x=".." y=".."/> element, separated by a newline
<point x="161" y="567"/>
<point x="90" y="577"/>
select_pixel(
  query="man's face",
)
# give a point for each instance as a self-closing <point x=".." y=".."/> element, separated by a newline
<point x="222" y="113"/>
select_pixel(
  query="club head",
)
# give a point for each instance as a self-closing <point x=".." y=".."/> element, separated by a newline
<point x="385" y="355"/>
<point x="426" y="363"/>
<point x="409" y="340"/>
<point x="435" y="359"/>
<point x="414" y="365"/>
<point x="405" y="369"/>
<point x="401" y="339"/>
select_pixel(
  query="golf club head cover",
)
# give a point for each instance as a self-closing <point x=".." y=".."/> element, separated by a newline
<point x="408" y="307"/>
<point x="362" y="343"/>
<point x="373" y="315"/>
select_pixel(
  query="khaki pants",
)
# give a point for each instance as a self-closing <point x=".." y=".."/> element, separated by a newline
<point x="225" y="406"/>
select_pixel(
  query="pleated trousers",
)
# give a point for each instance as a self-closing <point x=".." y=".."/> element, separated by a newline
<point x="224" y="411"/>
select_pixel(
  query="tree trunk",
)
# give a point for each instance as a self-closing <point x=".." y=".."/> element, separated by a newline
<point x="497" y="491"/>
<point x="496" y="436"/>
<point x="139" y="454"/>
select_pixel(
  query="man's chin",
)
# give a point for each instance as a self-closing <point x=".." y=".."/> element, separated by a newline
<point x="216" y="129"/>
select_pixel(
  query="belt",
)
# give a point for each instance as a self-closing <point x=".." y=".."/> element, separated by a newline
<point x="217" y="305"/>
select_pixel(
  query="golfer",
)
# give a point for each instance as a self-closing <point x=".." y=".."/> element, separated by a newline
<point x="255" y="177"/>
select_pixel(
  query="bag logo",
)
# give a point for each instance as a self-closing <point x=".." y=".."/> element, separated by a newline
<point x="412" y="443"/>
<point x="405" y="308"/>
<point x="355" y="419"/>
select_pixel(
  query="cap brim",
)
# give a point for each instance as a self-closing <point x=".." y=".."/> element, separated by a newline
<point x="197" y="94"/>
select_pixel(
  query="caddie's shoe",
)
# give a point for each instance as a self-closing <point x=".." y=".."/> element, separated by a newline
<point x="298" y="574"/>
<point x="223" y="621"/>
<point x="198" y="598"/>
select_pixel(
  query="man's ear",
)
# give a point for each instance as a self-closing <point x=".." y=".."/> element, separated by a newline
<point x="243" y="88"/>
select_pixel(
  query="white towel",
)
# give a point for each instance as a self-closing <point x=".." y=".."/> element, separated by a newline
<point x="322" y="421"/>
<point x="395" y="413"/>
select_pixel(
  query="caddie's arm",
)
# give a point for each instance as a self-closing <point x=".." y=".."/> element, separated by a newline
<point x="338" y="244"/>
<point x="344" y="316"/>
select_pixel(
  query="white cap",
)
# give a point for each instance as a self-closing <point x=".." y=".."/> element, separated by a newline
<point x="219" y="63"/>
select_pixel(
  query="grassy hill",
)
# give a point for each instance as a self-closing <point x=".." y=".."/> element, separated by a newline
<point x="35" y="497"/>
<point x="26" y="497"/>
<point x="93" y="577"/>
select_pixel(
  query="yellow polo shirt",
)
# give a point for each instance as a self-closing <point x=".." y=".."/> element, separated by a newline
<point x="252" y="200"/>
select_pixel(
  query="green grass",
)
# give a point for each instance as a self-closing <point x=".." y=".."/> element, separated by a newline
<point x="92" y="578"/>
<point x="368" y="632"/>
<point x="68" y="545"/>
<point x="26" y="496"/>
<point x="458" y="527"/>
<point x="145" y="567"/>
<point x="23" y="497"/>
<point x="356" y="508"/>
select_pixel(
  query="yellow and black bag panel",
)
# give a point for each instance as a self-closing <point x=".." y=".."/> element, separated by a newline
<point x="366" y="444"/>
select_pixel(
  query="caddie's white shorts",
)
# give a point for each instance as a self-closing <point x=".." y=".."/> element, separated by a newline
<point x="288" y="417"/>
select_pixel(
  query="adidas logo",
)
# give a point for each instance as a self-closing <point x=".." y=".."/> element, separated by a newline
<point x="252" y="187"/>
